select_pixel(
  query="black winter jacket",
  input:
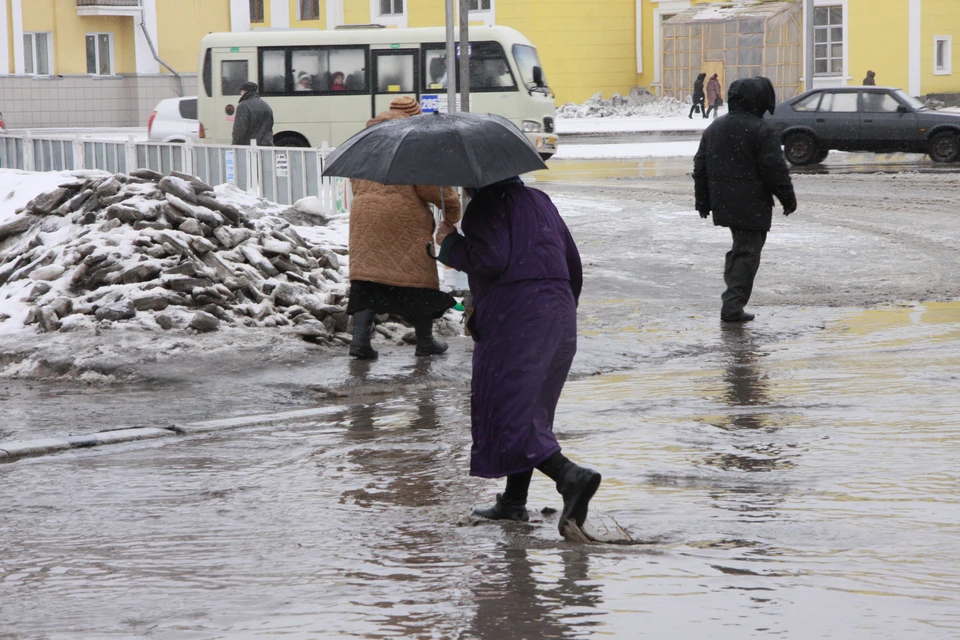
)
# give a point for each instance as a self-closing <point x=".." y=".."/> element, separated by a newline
<point x="739" y="166"/>
<point x="253" y="121"/>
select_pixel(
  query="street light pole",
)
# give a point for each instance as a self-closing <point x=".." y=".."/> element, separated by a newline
<point x="464" y="55"/>
<point x="451" y="61"/>
<point x="809" y="57"/>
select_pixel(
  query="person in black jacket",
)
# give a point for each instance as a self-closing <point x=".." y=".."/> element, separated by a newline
<point x="254" y="118"/>
<point x="698" y="97"/>
<point x="738" y="169"/>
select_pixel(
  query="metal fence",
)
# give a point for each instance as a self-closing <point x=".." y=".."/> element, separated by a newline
<point x="280" y="174"/>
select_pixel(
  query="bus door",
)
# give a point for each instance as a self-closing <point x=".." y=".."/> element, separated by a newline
<point x="395" y="73"/>
<point x="230" y="70"/>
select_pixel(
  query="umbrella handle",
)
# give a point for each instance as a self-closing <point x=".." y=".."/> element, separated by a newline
<point x="430" y="253"/>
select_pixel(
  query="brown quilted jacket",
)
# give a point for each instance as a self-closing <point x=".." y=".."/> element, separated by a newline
<point x="390" y="227"/>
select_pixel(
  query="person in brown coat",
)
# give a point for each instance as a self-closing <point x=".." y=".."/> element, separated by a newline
<point x="390" y="272"/>
<point x="870" y="80"/>
<point x="714" y="99"/>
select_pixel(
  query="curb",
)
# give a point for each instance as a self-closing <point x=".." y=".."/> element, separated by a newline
<point x="639" y="134"/>
<point x="10" y="451"/>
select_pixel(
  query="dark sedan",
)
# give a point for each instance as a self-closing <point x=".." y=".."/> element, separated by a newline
<point x="877" y="119"/>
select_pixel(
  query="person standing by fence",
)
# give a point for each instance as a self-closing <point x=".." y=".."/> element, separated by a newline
<point x="253" y="119"/>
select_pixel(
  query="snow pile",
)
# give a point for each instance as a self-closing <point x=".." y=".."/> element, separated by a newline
<point x="162" y="252"/>
<point x="639" y="102"/>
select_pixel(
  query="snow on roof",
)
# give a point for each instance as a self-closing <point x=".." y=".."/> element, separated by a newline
<point x="731" y="11"/>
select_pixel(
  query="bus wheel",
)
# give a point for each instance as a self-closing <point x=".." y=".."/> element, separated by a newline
<point x="290" y="140"/>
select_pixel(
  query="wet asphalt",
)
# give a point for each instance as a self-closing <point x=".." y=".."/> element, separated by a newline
<point x="794" y="477"/>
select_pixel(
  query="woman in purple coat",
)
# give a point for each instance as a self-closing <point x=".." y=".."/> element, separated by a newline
<point x="525" y="276"/>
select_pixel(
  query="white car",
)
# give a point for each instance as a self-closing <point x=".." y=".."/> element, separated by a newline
<point x="174" y="120"/>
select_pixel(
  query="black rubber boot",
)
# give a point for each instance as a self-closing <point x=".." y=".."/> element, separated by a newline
<point x="362" y="332"/>
<point x="505" y="509"/>
<point x="577" y="486"/>
<point x="427" y="345"/>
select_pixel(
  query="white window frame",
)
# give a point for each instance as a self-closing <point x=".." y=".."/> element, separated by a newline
<point x="845" y="78"/>
<point x="319" y="10"/>
<point x="390" y="20"/>
<point x="31" y="54"/>
<point x="947" y="68"/>
<point x="113" y="56"/>
<point x="488" y="16"/>
<point x="828" y="43"/>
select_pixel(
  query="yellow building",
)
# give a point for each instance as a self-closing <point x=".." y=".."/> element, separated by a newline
<point x="107" y="62"/>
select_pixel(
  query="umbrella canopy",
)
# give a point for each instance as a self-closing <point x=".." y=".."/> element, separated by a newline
<point x="459" y="150"/>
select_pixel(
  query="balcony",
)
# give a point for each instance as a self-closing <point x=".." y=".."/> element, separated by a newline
<point x="108" y="7"/>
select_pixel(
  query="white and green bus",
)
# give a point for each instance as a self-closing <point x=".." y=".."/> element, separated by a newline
<point x="323" y="86"/>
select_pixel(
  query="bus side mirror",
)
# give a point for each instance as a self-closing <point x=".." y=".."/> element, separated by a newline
<point x="537" y="76"/>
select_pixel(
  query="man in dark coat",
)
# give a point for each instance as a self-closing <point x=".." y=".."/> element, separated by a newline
<point x="254" y="118"/>
<point x="738" y="169"/>
<point x="525" y="276"/>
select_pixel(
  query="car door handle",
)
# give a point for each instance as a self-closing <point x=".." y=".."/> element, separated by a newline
<point x="868" y="120"/>
<point x="821" y="119"/>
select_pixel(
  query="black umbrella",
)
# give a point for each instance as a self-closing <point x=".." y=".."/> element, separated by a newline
<point x="459" y="150"/>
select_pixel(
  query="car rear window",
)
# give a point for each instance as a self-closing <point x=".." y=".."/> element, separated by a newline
<point x="188" y="109"/>
<point x="807" y="104"/>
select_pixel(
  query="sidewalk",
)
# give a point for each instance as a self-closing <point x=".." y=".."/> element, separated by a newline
<point x="632" y="124"/>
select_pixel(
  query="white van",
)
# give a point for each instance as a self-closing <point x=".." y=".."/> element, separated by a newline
<point x="323" y="86"/>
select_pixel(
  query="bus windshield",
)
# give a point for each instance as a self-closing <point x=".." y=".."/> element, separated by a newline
<point x="527" y="58"/>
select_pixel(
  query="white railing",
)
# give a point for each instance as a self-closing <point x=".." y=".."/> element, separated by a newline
<point x="280" y="174"/>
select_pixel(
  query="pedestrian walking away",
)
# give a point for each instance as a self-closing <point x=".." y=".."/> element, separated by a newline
<point x="389" y="270"/>
<point x="870" y="80"/>
<point x="525" y="276"/>
<point x="737" y="171"/>
<point x="714" y="97"/>
<point x="253" y="119"/>
<point x="698" y="97"/>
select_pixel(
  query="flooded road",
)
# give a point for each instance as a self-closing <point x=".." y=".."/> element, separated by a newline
<point x="793" y="478"/>
<point x="783" y="483"/>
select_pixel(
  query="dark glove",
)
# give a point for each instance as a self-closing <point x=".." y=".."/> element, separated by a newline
<point x="704" y="214"/>
<point x="787" y="210"/>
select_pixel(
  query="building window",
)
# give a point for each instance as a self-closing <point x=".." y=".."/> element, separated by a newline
<point x="309" y="9"/>
<point x="36" y="54"/>
<point x="256" y="10"/>
<point x="391" y="7"/>
<point x="100" y="54"/>
<point x="942" y="55"/>
<point x="828" y="41"/>
<point x="480" y="5"/>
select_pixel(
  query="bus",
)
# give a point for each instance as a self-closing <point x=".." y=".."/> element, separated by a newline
<point x="323" y="86"/>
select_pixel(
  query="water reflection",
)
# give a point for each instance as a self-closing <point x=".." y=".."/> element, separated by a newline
<point x="514" y="599"/>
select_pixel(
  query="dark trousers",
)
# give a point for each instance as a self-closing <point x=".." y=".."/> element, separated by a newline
<point x="740" y="269"/>
<point x="715" y="107"/>
<point x="698" y="106"/>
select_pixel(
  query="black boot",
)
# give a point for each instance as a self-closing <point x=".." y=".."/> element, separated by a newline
<point x="577" y="487"/>
<point x="505" y="509"/>
<point x="427" y="345"/>
<point x="362" y="332"/>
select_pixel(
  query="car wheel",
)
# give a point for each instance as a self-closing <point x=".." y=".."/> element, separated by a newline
<point x="944" y="147"/>
<point x="800" y="149"/>
<point x="821" y="155"/>
<point x="289" y="141"/>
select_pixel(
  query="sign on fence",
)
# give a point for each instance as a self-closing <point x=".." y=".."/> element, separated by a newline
<point x="230" y="166"/>
<point x="341" y="188"/>
<point x="283" y="164"/>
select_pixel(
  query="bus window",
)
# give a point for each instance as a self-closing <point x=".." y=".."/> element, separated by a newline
<point x="329" y="70"/>
<point x="273" y="65"/>
<point x="395" y="73"/>
<point x="435" y="61"/>
<point x="489" y="70"/>
<point x="208" y="73"/>
<point x="527" y="58"/>
<point x="233" y="73"/>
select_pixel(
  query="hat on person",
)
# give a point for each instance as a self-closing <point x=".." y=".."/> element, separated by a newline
<point x="406" y="105"/>
<point x="302" y="75"/>
<point x="249" y="87"/>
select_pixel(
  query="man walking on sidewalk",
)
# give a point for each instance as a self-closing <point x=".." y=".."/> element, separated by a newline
<point x="738" y="169"/>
